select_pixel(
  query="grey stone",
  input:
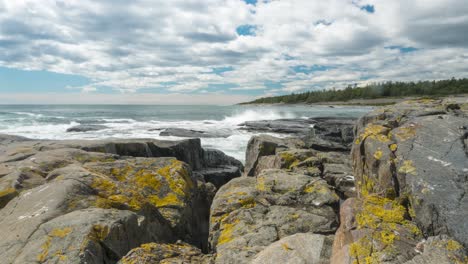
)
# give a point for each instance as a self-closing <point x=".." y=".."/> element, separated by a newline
<point x="303" y="248"/>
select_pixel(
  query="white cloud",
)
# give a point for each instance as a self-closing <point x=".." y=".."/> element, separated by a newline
<point x="175" y="44"/>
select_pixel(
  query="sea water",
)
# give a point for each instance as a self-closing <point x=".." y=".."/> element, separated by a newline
<point x="146" y="121"/>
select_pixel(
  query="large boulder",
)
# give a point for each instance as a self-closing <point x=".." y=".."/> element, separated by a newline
<point x="334" y="167"/>
<point x="66" y="204"/>
<point x="416" y="151"/>
<point x="250" y="213"/>
<point x="304" y="248"/>
<point x="264" y="145"/>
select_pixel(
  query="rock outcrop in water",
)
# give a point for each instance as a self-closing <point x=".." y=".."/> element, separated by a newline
<point x="397" y="197"/>
<point x="86" y="128"/>
<point x="190" y="133"/>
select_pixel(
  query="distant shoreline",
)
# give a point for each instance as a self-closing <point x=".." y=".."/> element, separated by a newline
<point x="462" y="98"/>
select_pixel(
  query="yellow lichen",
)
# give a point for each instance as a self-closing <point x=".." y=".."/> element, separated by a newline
<point x="383" y="217"/>
<point x="378" y="154"/>
<point x="59" y="254"/>
<point x="317" y="187"/>
<point x="404" y="133"/>
<point x="285" y="247"/>
<point x="45" y="250"/>
<point x="393" y="147"/>
<point x="164" y="186"/>
<point x="387" y="237"/>
<point x="260" y="184"/>
<point x="170" y="199"/>
<point x="453" y="245"/>
<point x="98" y="232"/>
<point x="226" y="232"/>
<point x="61" y="233"/>
<point x="121" y="173"/>
<point x="7" y="192"/>
<point x="407" y="167"/>
<point x="374" y="131"/>
<point x="104" y="186"/>
<point x="289" y="160"/>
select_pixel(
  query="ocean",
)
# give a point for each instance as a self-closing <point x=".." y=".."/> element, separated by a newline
<point x="146" y="121"/>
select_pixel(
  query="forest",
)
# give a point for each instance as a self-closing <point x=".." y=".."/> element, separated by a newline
<point x="373" y="91"/>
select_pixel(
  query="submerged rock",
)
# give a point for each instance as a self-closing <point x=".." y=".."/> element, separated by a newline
<point x="86" y="128"/>
<point x="190" y="133"/>
<point x="284" y="126"/>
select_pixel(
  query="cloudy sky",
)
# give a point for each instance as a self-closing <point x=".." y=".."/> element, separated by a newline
<point x="221" y="51"/>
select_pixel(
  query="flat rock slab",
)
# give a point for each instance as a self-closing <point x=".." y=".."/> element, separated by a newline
<point x="304" y="248"/>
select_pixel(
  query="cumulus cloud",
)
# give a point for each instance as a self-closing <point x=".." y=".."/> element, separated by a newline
<point x="177" y="45"/>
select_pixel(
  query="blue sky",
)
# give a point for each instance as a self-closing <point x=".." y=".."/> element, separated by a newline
<point x="231" y="50"/>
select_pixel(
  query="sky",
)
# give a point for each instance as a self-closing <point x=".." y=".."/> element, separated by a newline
<point x="221" y="51"/>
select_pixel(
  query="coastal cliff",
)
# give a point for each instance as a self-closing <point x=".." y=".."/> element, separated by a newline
<point x="387" y="188"/>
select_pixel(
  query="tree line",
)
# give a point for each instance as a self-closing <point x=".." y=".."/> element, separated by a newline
<point x="373" y="91"/>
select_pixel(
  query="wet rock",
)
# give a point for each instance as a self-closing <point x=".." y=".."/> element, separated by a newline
<point x="166" y="253"/>
<point x="214" y="158"/>
<point x="286" y="126"/>
<point x="190" y="133"/>
<point x="250" y="213"/>
<point x="220" y="175"/>
<point x="86" y="128"/>
<point x="331" y="134"/>
<point x="299" y="248"/>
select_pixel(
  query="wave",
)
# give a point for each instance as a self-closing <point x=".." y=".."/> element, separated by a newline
<point x="28" y="114"/>
<point x="256" y="115"/>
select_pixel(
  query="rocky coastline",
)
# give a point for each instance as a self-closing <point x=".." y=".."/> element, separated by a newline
<point x="387" y="188"/>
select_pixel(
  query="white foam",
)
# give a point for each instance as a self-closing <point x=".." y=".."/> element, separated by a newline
<point x="257" y="114"/>
<point x="28" y="114"/>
